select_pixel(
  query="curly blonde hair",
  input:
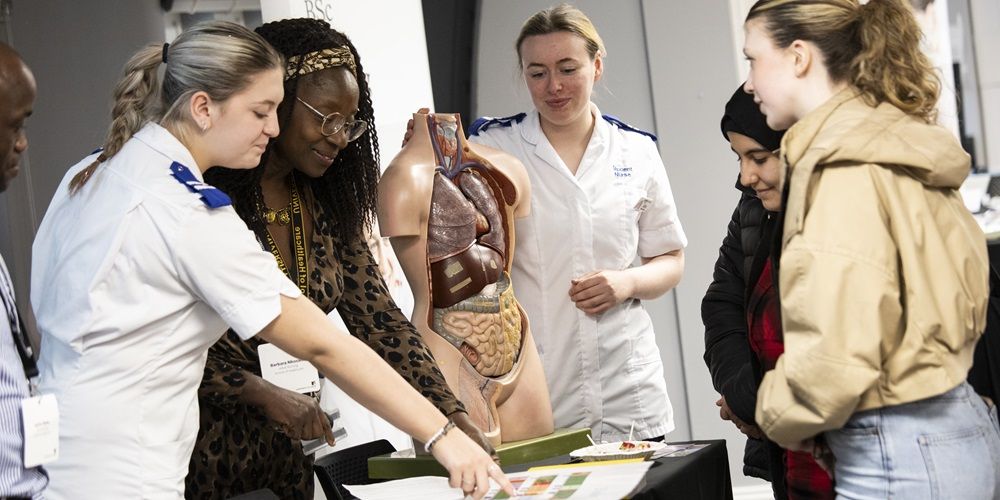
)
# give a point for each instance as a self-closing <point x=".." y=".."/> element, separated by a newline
<point x="874" y="47"/>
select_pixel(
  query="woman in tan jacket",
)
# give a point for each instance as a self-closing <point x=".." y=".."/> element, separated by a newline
<point x="883" y="272"/>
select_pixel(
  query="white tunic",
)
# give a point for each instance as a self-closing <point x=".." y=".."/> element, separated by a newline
<point x="604" y="371"/>
<point x="133" y="278"/>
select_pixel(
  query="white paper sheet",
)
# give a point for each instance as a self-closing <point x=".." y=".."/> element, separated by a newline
<point x="592" y="480"/>
<point x="414" y="488"/>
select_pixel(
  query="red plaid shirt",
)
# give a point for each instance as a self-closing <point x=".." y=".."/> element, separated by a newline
<point x="804" y="477"/>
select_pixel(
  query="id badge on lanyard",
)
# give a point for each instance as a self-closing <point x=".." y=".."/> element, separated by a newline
<point x="39" y="413"/>
<point x="40" y="423"/>
<point x="277" y="366"/>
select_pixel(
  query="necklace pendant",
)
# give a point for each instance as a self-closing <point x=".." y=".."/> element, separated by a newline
<point x="284" y="217"/>
<point x="269" y="216"/>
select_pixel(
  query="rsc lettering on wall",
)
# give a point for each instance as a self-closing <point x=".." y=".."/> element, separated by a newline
<point x="319" y="9"/>
<point x="273" y="10"/>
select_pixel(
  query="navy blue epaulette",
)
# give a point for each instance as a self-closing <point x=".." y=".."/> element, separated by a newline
<point x="484" y="123"/>
<point x="210" y="196"/>
<point x="624" y="126"/>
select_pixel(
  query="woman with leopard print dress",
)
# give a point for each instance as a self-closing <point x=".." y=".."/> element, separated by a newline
<point x="309" y="201"/>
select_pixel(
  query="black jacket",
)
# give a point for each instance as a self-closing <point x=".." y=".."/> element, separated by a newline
<point x="734" y="368"/>
<point x="985" y="373"/>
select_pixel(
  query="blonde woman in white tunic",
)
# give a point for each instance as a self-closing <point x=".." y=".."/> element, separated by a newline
<point x="600" y="199"/>
<point x="139" y="267"/>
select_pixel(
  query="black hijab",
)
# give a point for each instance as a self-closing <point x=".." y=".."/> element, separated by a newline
<point x="743" y="116"/>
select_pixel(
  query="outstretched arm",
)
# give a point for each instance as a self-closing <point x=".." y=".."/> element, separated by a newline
<point x="374" y="318"/>
<point x="303" y="331"/>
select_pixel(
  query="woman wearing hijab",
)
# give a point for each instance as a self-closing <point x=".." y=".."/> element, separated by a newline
<point x="741" y="312"/>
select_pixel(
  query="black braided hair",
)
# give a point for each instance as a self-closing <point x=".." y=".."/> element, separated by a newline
<point x="347" y="189"/>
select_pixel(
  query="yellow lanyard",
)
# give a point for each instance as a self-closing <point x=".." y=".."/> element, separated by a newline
<point x="301" y="277"/>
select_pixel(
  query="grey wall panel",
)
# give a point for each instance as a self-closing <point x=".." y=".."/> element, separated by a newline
<point x="693" y="73"/>
<point x="76" y="51"/>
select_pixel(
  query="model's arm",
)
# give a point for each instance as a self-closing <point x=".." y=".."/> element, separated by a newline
<point x="404" y="195"/>
<point x="404" y="204"/>
<point x="303" y="331"/>
<point x="511" y="168"/>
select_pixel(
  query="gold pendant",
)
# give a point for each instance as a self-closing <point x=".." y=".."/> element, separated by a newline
<point x="284" y="217"/>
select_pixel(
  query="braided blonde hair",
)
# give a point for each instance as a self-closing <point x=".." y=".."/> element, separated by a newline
<point x="219" y="58"/>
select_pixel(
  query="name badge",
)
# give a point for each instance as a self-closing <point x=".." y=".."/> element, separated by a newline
<point x="40" y="416"/>
<point x="286" y="371"/>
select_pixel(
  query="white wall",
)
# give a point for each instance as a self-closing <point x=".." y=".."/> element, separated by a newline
<point x="389" y="36"/>
<point x="963" y="51"/>
<point x="985" y="17"/>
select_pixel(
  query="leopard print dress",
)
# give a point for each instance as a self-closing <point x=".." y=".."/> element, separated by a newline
<point x="238" y="449"/>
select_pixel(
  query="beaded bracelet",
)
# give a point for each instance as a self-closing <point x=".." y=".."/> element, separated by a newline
<point x="438" y="435"/>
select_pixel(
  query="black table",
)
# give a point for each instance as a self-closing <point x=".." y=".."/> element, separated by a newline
<point x="702" y="475"/>
<point x="264" y="494"/>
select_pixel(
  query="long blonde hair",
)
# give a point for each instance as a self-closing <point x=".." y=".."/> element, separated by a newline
<point x="218" y="57"/>
<point x="874" y="47"/>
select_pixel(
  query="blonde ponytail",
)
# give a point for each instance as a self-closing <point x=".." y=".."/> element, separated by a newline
<point x="891" y="67"/>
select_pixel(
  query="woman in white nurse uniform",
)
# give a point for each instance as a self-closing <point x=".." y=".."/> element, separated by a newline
<point x="600" y="198"/>
<point x="139" y="266"/>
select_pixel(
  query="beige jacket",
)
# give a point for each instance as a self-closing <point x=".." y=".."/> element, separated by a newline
<point x="883" y="273"/>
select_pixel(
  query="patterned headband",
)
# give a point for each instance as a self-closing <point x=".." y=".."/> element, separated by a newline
<point x="320" y="59"/>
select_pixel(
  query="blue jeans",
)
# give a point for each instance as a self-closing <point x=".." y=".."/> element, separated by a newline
<point x="946" y="446"/>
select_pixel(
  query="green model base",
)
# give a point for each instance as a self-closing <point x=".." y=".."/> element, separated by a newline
<point x="560" y="442"/>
